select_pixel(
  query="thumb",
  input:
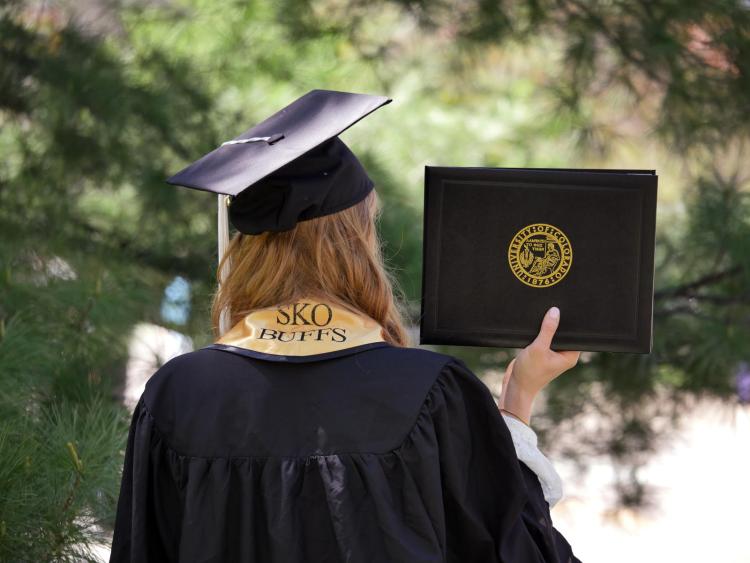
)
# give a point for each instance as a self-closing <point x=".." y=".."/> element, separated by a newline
<point x="508" y="373"/>
<point x="549" y="325"/>
<point x="506" y="380"/>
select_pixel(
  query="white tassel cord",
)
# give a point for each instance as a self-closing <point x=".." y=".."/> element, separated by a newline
<point x="223" y="239"/>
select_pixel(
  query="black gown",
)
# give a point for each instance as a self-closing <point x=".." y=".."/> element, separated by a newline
<point x="368" y="452"/>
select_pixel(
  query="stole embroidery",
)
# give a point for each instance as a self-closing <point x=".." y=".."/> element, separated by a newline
<point x="302" y="328"/>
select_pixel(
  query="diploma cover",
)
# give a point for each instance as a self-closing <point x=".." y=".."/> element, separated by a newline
<point x="502" y="245"/>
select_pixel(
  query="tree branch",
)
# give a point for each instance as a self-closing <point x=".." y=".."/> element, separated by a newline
<point x="687" y="289"/>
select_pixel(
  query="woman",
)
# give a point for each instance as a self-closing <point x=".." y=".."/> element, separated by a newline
<point x="311" y="432"/>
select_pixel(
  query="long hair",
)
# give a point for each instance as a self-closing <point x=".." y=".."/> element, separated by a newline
<point x="335" y="258"/>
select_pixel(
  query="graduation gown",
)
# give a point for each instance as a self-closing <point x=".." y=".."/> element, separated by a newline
<point x="302" y="436"/>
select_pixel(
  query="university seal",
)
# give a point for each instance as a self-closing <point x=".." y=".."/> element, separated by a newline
<point x="540" y="255"/>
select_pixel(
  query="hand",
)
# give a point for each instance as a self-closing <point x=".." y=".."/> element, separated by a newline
<point x="533" y="368"/>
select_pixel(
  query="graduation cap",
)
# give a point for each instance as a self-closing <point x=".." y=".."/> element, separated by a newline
<point x="289" y="168"/>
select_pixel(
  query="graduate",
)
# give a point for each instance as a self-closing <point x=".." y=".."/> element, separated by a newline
<point x="310" y="431"/>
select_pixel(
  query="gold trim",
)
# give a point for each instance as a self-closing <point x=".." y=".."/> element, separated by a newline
<point x="306" y="327"/>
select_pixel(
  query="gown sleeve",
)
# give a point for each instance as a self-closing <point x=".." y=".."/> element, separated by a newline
<point x="149" y="507"/>
<point x="494" y="504"/>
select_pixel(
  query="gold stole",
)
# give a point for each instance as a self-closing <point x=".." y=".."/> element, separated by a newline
<point x="306" y="327"/>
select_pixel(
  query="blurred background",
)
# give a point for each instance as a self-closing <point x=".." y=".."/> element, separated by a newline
<point x="106" y="271"/>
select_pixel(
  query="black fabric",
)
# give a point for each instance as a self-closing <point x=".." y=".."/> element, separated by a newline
<point x="324" y="180"/>
<point x="290" y="167"/>
<point x="382" y="454"/>
<point x="294" y="358"/>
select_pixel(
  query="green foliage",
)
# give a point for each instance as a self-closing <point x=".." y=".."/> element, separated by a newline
<point x="62" y="348"/>
<point x="58" y="479"/>
<point x="688" y="56"/>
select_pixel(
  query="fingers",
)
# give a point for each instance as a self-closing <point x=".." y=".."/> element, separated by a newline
<point x="550" y="323"/>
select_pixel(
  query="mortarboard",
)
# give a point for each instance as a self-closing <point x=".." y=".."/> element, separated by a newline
<point x="289" y="168"/>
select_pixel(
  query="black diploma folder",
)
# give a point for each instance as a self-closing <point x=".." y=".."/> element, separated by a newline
<point x="503" y="245"/>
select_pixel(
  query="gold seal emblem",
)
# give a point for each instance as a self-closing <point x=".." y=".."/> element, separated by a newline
<point x="540" y="255"/>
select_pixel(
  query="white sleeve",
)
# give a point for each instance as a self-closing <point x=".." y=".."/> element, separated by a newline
<point x="525" y="442"/>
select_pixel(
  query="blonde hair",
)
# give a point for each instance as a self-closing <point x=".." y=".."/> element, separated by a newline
<point x="335" y="258"/>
